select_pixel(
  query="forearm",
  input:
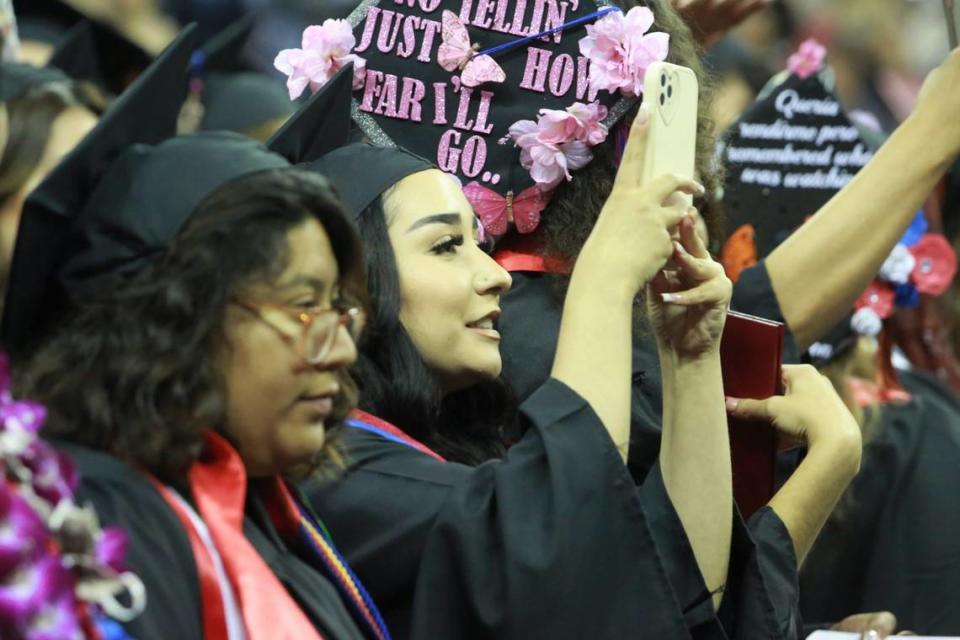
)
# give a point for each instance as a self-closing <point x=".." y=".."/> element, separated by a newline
<point x="695" y="460"/>
<point x="821" y="269"/>
<point x="594" y="349"/>
<point x="806" y="500"/>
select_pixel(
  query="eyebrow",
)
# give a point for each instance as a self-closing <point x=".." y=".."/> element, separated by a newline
<point x="300" y="280"/>
<point x="437" y="218"/>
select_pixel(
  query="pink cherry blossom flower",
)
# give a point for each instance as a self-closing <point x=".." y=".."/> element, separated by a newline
<point x="620" y="50"/>
<point x="325" y="49"/>
<point x="807" y="59"/>
<point x="558" y="142"/>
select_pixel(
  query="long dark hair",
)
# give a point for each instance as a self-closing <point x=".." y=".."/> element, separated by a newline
<point x="574" y="208"/>
<point x="134" y="373"/>
<point x="395" y="383"/>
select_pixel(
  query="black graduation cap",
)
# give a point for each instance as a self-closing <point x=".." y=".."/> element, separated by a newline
<point x="145" y="114"/>
<point x="17" y="78"/>
<point x="45" y="20"/>
<point x="98" y="53"/>
<point x="234" y="96"/>
<point x="786" y="156"/>
<point x="129" y="213"/>
<point x="409" y="100"/>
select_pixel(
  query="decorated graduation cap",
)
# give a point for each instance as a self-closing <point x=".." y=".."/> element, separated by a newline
<point x="786" y="156"/>
<point x="17" y="78"/>
<point x="507" y="95"/>
<point x="99" y="53"/>
<point x="82" y="229"/>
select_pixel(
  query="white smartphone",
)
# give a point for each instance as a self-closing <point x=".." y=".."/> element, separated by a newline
<point x="670" y="93"/>
<point x="951" y="9"/>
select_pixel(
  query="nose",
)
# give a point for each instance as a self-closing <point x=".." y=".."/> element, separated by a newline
<point x="343" y="352"/>
<point x="491" y="278"/>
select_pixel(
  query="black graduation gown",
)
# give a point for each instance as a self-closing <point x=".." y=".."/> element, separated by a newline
<point x="767" y="603"/>
<point x="161" y="555"/>
<point x="894" y="544"/>
<point x="553" y="541"/>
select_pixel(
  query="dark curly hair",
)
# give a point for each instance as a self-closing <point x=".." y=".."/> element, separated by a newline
<point x="134" y="372"/>
<point x="395" y="383"/>
<point x="574" y="208"/>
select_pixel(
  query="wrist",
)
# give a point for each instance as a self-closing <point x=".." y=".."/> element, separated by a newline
<point x="840" y="449"/>
<point x="596" y="279"/>
<point x="926" y="132"/>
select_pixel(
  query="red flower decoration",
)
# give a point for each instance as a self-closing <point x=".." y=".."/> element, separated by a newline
<point x="936" y="264"/>
<point x="879" y="297"/>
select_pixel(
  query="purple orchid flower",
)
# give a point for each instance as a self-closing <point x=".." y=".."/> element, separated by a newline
<point x="56" y="620"/>
<point x="23" y="535"/>
<point x="112" y="548"/>
<point x="32" y="585"/>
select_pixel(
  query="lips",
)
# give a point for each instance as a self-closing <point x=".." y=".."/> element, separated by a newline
<point x="487" y="322"/>
<point x="319" y="403"/>
<point x="485" y="326"/>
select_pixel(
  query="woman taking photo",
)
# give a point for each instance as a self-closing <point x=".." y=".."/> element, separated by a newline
<point x="455" y="536"/>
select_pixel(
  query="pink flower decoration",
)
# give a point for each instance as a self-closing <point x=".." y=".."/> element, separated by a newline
<point x="559" y="142"/>
<point x="879" y="297"/>
<point x="620" y="50"/>
<point x="808" y="58"/>
<point x="111" y="548"/>
<point x="936" y="264"/>
<point x="325" y="50"/>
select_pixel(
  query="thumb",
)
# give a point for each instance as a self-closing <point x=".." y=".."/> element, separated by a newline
<point x="749" y="408"/>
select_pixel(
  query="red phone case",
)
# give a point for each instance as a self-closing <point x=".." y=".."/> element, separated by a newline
<point x="751" y="352"/>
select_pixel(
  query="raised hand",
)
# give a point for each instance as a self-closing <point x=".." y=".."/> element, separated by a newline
<point x="631" y="240"/>
<point x="710" y="20"/>
<point x="687" y="304"/>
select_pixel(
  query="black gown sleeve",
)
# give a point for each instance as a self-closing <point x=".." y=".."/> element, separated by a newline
<point x="159" y="550"/>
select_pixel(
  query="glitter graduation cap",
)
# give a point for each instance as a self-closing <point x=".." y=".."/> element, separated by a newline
<point x="451" y="80"/>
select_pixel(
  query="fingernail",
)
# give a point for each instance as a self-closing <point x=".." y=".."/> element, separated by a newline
<point x="872" y="634"/>
<point x="671" y="297"/>
<point x="679" y="248"/>
<point x="700" y="188"/>
<point x="731" y="403"/>
<point x="643" y="115"/>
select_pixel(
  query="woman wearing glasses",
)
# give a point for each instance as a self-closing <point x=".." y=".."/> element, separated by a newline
<point x="198" y="389"/>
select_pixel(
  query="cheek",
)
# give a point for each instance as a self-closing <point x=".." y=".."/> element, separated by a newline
<point x="434" y="303"/>
<point x="260" y="384"/>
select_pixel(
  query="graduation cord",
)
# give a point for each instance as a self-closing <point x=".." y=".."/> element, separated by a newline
<point x="513" y="44"/>
<point x="288" y="511"/>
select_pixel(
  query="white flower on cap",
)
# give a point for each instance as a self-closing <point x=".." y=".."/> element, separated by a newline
<point x="898" y="266"/>
<point x="866" y="322"/>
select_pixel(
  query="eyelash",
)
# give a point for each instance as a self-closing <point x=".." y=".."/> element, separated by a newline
<point x="448" y="246"/>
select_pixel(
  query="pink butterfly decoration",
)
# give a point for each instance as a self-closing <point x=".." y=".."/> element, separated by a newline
<point x="496" y="212"/>
<point x="456" y="52"/>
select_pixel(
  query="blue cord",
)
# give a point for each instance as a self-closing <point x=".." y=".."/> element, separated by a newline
<point x="513" y="44"/>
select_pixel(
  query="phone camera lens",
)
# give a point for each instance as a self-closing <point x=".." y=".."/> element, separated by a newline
<point x="663" y="99"/>
<point x="663" y="79"/>
<point x="670" y="91"/>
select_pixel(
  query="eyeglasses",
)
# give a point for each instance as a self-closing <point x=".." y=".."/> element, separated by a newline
<point x="320" y="326"/>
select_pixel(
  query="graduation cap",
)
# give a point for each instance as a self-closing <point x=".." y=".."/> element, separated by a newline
<point x="457" y="118"/>
<point x="45" y="20"/>
<point x="116" y="221"/>
<point x="233" y="96"/>
<point x="98" y="53"/>
<point x="145" y="114"/>
<point x="786" y="156"/>
<point x="17" y="78"/>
